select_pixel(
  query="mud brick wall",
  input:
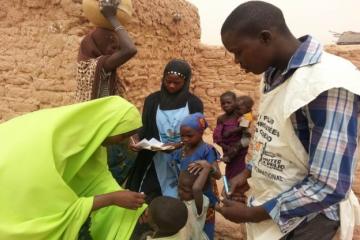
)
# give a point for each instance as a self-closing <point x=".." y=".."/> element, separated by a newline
<point x="40" y="39"/>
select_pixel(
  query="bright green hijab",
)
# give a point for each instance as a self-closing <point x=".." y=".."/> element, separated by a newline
<point x="52" y="165"/>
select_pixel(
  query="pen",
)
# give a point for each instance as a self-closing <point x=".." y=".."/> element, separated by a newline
<point x="226" y="185"/>
<point x="132" y="140"/>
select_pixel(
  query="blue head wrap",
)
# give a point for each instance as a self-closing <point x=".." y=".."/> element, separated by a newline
<point x="195" y="121"/>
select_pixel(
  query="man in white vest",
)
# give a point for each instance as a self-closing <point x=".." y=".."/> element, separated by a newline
<point x="305" y="143"/>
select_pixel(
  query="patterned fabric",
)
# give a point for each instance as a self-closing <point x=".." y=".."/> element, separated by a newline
<point x="328" y="129"/>
<point x="85" y="78"/>
<point x="308" y="53"/>
<point x="209" y="226"/>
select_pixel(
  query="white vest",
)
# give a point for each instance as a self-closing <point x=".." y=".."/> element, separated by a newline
<point x="280" y="160"/>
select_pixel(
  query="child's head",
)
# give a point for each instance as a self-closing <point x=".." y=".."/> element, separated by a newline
<point x="244" y="104"/>
<point x="252" y="32"/>
<point x="228" y="102"/>
<point x="167" y="215"/>
<point x="186" y="182"/>
<point x="192" y="129"/>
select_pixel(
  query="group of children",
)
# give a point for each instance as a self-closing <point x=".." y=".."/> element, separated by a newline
<point x="192" y="216"/>
<point x="232" y="131"/>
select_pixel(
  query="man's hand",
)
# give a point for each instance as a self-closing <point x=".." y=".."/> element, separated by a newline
<point x="238" y="184"/>
<point x="239" y="213"/>
<point x="233" y="211"/>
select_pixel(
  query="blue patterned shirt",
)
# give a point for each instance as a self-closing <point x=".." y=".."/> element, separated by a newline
<point x="328" y="129"/>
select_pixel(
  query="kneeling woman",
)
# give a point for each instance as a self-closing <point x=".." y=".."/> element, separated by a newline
<point x="59" y="176"/>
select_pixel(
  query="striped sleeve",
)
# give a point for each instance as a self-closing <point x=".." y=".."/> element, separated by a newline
<point x="333" y="126"/>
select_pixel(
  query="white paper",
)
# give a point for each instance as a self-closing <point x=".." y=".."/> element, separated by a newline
<point x="153" y="145"/>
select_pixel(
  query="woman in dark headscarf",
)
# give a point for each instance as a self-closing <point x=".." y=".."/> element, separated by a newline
<point x="101" y="52"/>
<point x="162" y="114"/>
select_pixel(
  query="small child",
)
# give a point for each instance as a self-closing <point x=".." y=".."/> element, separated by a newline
<point x="232" y="131"/>
<point x="187" y="158"/>
<point x="244" y="111"/>
<point x="191" y="188"/>
<point x="167" y="216"/>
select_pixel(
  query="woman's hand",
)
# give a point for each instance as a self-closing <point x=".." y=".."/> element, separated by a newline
<point x="128" y="199"/>
<point x="108" y="8"/>
<point x="134" y="148"/>
<point x="173" y="146"/>
<point x="123" y="198"/>
<point x="133" y="140"/>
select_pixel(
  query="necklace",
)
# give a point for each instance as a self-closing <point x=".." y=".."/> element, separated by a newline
<point x="184" y="152"/>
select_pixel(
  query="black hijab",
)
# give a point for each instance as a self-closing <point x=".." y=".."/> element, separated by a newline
<point x="179" y="99"/>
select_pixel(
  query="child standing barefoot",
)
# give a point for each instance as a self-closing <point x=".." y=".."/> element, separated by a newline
<point x="195" y="155"/>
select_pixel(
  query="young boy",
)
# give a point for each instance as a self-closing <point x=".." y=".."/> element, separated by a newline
<point x="244" y="110"/>
<point x="191" y="189"/>
<point x="304" y="158"/>
<point x="187" y="158"/>
<point x="167" y="216"/>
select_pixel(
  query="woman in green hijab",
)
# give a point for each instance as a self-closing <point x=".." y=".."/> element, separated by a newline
<point x="59" y="176"/>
